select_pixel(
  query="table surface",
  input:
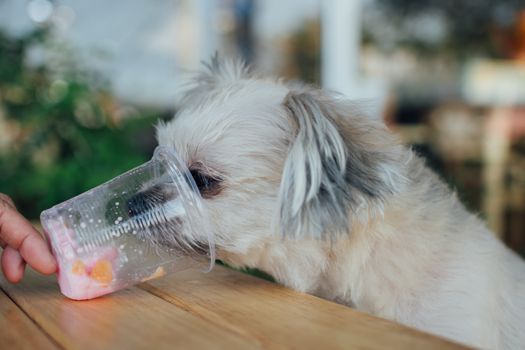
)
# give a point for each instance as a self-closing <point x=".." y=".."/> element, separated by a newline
<point x="193" y="310"/>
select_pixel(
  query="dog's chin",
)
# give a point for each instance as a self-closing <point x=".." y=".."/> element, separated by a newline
<point x="166" y="236"/>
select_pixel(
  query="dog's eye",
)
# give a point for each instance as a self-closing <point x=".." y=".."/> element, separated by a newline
<point x="208" y="186"/>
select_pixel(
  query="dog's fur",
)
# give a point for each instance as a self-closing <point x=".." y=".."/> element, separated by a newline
<point x="328" y="202"/>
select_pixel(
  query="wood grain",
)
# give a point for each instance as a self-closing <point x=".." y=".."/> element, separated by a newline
<point x="223" y="309"/>
<point x="129" y="319"/>
<point x="277" y="317"/>
<point x="17" y="331"/>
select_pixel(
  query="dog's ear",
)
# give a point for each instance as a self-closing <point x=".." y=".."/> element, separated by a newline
<point x="333" y="169"/>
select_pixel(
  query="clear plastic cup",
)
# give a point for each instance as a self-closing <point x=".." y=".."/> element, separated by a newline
<point x="143" y="224"/>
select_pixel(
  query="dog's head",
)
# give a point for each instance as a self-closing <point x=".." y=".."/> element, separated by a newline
<point x="271" y="159"/>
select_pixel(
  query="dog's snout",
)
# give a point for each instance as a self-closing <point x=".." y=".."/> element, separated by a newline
<point x="159" y="213"/>
<point x="137" y="204"/>
<point x="148" y="199"/>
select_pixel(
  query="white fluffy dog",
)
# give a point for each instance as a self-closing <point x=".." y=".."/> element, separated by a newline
<point x="302" y="186"/>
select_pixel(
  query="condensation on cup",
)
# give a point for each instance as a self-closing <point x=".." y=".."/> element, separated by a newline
<point x="143" y="224"/>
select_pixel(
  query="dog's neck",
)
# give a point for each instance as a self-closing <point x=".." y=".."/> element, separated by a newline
<point x="373" y="268"/>
<point x="312" y="266"/>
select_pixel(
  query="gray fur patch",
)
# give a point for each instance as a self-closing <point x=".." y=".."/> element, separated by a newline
<point x="328" y="173"/>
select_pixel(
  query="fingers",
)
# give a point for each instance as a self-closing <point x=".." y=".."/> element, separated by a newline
<point x="35" y="252"/>
<point x="8" y="200"/>
<point x="12" y="265"/>
<point x="17" y="233"/>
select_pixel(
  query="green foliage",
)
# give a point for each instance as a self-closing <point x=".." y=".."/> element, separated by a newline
<point x="250" y="271"/>
<point x="65" y="132"/>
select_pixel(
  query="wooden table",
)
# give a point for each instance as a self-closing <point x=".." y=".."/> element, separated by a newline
<point x="223" y="309"/>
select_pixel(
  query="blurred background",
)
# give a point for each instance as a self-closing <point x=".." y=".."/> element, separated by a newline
<point x="82" y="84"/>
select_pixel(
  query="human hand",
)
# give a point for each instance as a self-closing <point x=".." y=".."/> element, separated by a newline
<point x="22" y="244"/>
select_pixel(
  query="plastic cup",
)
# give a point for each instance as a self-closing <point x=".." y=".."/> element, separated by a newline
<point x="143" y="224"/>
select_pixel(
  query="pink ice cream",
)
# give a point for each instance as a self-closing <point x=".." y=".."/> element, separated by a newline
<point x="81" y="278"/>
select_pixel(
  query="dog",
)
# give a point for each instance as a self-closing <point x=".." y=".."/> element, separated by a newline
<point x="301" y="184"/>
